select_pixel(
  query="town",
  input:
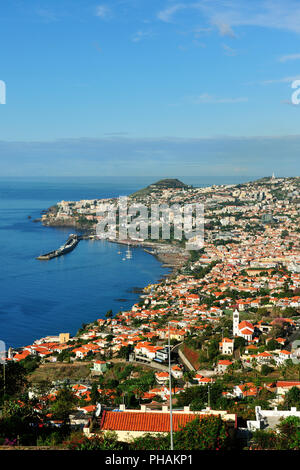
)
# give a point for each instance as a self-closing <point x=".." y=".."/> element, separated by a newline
<point x="218" y="338"/>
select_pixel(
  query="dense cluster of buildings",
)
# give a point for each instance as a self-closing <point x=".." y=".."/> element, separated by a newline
<point x="246" y="279"/>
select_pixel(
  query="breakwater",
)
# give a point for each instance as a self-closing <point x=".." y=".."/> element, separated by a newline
<point x="70" y="244"/>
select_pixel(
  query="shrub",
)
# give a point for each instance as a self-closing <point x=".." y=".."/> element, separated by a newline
<point x="107" y="441"/>
<point x="205" y="433"/>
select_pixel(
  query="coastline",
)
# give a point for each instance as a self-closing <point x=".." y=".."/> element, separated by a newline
<point x="169" y="263"/>
<point x="170" y="256"/>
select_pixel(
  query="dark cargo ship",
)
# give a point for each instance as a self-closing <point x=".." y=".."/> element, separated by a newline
<point x="70" y="244"/>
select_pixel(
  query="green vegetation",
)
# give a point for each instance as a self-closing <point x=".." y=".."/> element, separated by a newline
<point x="205" y="433"/>
<point x="159" y="185"/>
<point x="103" y="441"/>
<point x="288" y="437"/>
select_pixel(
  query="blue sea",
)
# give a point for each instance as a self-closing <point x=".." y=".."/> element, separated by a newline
<point x="41" y="298"/>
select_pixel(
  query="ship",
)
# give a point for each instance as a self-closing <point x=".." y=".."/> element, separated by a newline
<point x="70" y="244"/>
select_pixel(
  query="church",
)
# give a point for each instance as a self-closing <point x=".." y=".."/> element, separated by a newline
<point x="245" y="329"/>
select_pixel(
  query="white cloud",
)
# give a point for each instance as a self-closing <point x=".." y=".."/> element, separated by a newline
<point x="276" y="14"/>
<point x="227" y="14"/>
<point x="225" y="30"/>
<point x="228" y="50"/>
<point x="285" y="58"/>
<point x="140" y="35"/>
<point x="167" y="14"/>
<point x="206" y="98"/>
<point x="103" y="11"/>
<point x="281" y="80"/>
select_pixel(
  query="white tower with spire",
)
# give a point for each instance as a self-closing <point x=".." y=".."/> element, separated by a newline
<point x="236" y="322"/>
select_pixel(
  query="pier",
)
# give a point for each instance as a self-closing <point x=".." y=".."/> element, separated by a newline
<point x="70" y="244"/>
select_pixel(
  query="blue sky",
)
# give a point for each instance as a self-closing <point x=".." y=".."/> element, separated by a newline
<point x="147" y="87"/>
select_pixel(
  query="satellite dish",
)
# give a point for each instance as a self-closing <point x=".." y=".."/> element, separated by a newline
<point x="98" y="410"/>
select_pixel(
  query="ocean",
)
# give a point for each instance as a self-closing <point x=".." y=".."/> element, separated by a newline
<point x="41" y="298"/>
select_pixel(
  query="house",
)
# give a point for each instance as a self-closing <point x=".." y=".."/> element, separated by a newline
<point x="79" y="389"/>
<point x="250" y="349"/>
<point x="20" y="356"/>
<point x="147" y="352"/>
<point x="263" y="358"/>
<point x="226" y="346"/>
<point x="282" y="387"/>
<point x="162" y="377"/>
<point x="99" y="367"/>
<point x="270" y="418"/>
<point x="130" y="424"/>
<point x="264" y="327"/>
<point x="284" y="356"/>
<point x="80" y="352"/>
<point x="203" y="380"/>
<point x="176" y="372"/>
<point x="162" y="354"/>
<point x="246" y="390"/>
<point x="222" y="366"/>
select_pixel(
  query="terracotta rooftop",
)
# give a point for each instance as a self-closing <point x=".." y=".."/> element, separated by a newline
<point x="146" y="422"/>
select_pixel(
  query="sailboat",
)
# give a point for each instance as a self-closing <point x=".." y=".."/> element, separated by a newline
<point x="128" y="253"/>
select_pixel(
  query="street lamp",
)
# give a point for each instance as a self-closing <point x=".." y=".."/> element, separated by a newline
<point x="170" y="391"/>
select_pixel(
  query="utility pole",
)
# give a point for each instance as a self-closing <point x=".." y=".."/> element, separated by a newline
<point x="170" y="386"/>
<point x="208" y="396"/>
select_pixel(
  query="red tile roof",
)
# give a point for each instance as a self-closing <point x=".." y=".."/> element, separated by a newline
<point x="146" y="422"/>
<point x="287" y="384"/>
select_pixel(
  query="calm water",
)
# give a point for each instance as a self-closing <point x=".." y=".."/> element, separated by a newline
<point x="44" y="298"/>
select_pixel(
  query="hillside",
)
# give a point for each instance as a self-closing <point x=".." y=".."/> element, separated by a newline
<point x="168" y="183"/>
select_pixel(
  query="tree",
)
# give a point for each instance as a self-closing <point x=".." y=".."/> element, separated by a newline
<point x="125" y="351"/>
<point x="202" y="433"/>
<point x="15" y="382"/>
<point x="286" y="436"/>
<point x="292" y="398"/>
<point x="265" y="369"/>
<point x="64" y="404"/>
<point x="109" y="314"/>
<point x="102" y="441"/>
<point x="272" y="345"/>
<point x="197" y="396"/>
<point x="284" y="233"/>
<point x="19" y="419"/>
<point x="42" y="388"/>
<point x="95" y="395"/>
<point x="289" y="429"/>
<point x="151" y="442"/>
<point x="30" y="363"/>
<point x="239" y="342"/>
<point x="213" y="349"/>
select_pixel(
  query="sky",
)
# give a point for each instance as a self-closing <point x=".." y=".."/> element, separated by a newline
<point x="140" y="87"/>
